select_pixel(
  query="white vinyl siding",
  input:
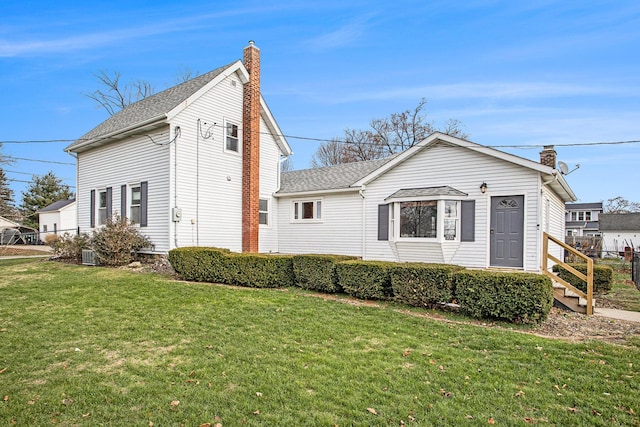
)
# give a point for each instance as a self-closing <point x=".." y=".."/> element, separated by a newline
<point x="136" y="159"/>
<point x="464" y="170"/>
<point x="339" y="232"/>
<point x="209" y="180"/>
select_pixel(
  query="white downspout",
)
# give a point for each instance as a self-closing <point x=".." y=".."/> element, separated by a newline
<point x="364" y="222"/>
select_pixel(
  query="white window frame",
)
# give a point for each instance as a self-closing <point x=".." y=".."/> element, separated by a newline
<point x="130" y="204"/>
<point x="226" y="149"/>
<point x="297" y="210"/>
<point x="266" y="212"/>
<point x="440" y="237"/>
<point x="99" y="220"/>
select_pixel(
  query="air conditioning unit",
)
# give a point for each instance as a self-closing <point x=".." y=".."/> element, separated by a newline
<point x="89" y="257"/>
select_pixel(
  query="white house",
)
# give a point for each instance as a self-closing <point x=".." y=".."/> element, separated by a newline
<point x="582" y="219"/>
<point x="445" y="200"/>
<point x="58" y="218"/>
<point x="619" y="231"/>
<point x="196" y="164"/>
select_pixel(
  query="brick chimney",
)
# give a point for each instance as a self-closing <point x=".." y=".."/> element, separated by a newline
<point x="548" y="156"/>
<point x="251" y="150"/>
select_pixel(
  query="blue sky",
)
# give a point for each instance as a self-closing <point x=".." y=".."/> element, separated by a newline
<point x="516" y="73"/>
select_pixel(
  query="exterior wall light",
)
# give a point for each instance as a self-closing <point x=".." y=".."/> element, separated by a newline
<point x="483" y="187"/>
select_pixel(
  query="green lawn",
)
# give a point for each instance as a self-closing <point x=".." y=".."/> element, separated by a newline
<point x="624" y="293"/>
<point x="94" y="346"/>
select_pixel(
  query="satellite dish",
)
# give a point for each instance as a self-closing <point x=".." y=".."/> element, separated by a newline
<point x="564" y="169"/>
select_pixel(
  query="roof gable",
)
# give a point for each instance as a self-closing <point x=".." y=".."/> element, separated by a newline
<point x="163" y="106"/>
<point x="153" y="108"/>
<point x="556" y="181"/>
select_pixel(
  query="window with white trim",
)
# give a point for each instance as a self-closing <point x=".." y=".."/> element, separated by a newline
<point x="307" y="210"/>
<point x="102" y="207"/>
<point x="263" y="211"/>
<point x="134" y="203"/>
<point x="231" y="137"/>
<point x="426" y="219"/>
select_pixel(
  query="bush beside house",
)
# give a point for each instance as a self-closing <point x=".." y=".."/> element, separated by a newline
<point x="515" y="297"/>
<point x="423" y="285"/>
<point x="318" y="272"/>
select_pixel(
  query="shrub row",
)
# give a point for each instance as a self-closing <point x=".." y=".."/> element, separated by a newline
<point x="516" y="297"/>
<point x="602" y="277"/>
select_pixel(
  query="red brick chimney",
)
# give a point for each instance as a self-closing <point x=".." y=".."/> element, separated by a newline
<point x="251" y="150"/>
<point x="548" y="156"/>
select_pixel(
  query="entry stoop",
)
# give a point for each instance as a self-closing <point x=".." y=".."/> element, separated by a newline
<point x="570" y="299"/>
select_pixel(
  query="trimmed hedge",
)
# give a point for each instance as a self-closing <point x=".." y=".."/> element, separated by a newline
<point x="199" y="264"/>
<point x="516" y="297"/>
<point x="318" y="272"/>
<point x="217" y="265"/>
<point x="423" y="285"/>
<point x="258" y="270"/>
<point x="365" y="279"/>
<point x="602" y="277"/>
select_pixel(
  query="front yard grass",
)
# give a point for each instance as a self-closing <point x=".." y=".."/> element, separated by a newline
<point x="95" y="346"/>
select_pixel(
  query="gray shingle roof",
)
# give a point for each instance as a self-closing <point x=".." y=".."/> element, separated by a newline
<point x="148" y="108"/>
<point x="427" y="192"/>
<point x="328" y="178"/>
<point x="57" y="205"/>
<point x="583" y="206"/>
<point x="616" y="222"/>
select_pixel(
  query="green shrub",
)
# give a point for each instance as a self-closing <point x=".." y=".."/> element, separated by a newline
<point x="70" y="247"/>
<point x="365" y="279"/>
<point x="515" y="297"/>
<point x="318" y="272"/>
<point x="423" y="285"/>
<point x="217" y="265"/>
<point x="258" y="270"/>
<point x="602" y="277"/>
<point x="199" y="264"/>
<point x="117" y="242"/>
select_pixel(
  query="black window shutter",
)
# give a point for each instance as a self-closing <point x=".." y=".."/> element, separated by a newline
<point x="109" y="204"/>
<point x="123" y="201"/>
<point x="93" y="209"/>
<point x="468" y="221"/>
<point x="383" y="222"/>
<point x="144" y="192"/>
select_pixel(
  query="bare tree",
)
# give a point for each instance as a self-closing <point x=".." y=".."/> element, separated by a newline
<point x="620" y="205"/>
<point x="115" y="96"/>
<point x="390" y="135"/>
<point x="286" y="165"/>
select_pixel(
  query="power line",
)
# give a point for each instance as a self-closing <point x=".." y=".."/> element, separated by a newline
<point x="38" y="160"/>
<point x="32" y="174"/>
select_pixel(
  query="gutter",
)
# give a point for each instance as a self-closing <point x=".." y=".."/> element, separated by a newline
<point x="92" y="141"/>
<point x="319" y="192"/>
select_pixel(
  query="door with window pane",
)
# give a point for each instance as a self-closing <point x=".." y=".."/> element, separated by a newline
<point x="506" y="234"/>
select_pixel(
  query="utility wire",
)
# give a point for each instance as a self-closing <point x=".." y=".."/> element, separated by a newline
<point x="38" y="160"/>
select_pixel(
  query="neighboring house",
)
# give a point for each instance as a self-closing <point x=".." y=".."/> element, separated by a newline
<point x="194" y="165"/>
<point x="58" y="218"/>
<point x="445" y="200"/>
<point x="619" y="231"/>
<point x="582" y="219"/>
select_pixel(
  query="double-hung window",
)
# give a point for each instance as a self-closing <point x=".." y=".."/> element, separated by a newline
<point x="307" y="210"/>
<point x="102" y="207"/>
<point x="263" y="211"/>
<point x="231" y="137"/>
<point x="134" y="203"/>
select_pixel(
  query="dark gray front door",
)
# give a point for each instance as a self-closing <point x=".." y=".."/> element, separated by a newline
<point x="507" y="228"/>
